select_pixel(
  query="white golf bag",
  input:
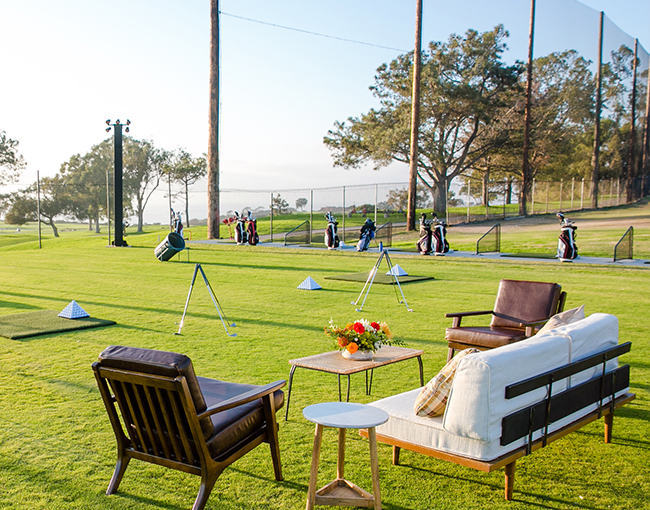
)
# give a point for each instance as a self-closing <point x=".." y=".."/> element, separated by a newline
<point x="331" y="232"/>
<point x="566" y="245"/>
<point x="366" y="235"/>
<point x="240" y="229"/>
<point x="424" y="242"/>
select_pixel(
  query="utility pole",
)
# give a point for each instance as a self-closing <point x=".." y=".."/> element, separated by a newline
<point x="645" y="168"/>
<point x="119" y="206"/>
<point x="38" y="207"/>
<point x="595" y="159"/>
<point x="415" y="119"/>
<point x="213" y="137"/>
<point x="526" y="172"/>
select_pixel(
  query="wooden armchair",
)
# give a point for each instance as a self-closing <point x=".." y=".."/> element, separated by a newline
<point x="520" y="307"/>
<point x="173" y="418"/>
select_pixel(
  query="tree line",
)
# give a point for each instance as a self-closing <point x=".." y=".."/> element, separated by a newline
<point x="472" y="118"/>
<point x="80" y="187"/>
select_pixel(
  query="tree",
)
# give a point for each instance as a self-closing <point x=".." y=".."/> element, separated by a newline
<point x="187" y="170"/>
<point x="301" y="203"/>
<point x="85" y="177"/>
<point x="143" y="168"/>
<point x="464" y="82"/>
<point x="280" y="205"/>
<point x="54" y="202"/>
<point x="11" y="163"/>
<point x="398" y="198"/>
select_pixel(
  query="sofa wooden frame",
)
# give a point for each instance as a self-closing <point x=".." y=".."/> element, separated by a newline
<point x="538" y="417"/>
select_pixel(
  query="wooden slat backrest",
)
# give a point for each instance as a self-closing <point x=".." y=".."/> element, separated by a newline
<point x="158" y="415"/>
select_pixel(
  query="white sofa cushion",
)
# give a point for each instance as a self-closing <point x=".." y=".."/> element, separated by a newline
<point x="477" y="402"/>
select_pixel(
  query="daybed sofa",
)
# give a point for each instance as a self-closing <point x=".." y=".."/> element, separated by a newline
<point x="497" y="410"/>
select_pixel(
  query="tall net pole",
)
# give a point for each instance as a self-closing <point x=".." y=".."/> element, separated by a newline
<point x="630" y="187"/>
<point x="415" y="119"/>
<point x="646" y="143"/>
<point x="213" y="137"/>
<point x="595" y="163"/>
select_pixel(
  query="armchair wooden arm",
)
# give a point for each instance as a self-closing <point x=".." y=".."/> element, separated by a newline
<point x="459" y="315"/>
<point x="244" y="398"/>
<point x="531" y="325"/>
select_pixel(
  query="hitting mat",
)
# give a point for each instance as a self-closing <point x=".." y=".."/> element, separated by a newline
<point x="382" y="279"/>
<point x="530" y="255"/>
<point x="43" y="322"/>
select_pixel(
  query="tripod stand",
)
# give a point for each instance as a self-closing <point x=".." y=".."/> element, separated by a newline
<point x="217" y="305"/>
<point x="371" y="279"/>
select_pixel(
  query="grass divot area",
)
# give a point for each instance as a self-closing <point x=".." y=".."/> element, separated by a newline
<point x="43" y="322"/>
<point x="58" y="450"/>
<point x="382" y="279"/>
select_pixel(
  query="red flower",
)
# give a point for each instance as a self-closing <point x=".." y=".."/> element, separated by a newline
<point x="343" y="341"/>
<point x="359" y="328"/>
<point x="375" y="326"/>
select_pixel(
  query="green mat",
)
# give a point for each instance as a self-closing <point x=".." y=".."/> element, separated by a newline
<point x="43" y="322"/>
<point x="382" y="279"/>
<point x="530" y="255"/>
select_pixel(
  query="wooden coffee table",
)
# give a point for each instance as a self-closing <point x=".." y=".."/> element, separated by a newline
<point x="334" y="363"/>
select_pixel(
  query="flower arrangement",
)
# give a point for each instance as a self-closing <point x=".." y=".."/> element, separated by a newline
<point x="361" y="335"/>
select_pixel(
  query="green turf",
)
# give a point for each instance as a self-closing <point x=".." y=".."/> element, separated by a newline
<point x="57" y="449"/>
<point x="44" y="322"/>
<point x="530" y="255"/>
<point x="382" y="279"/>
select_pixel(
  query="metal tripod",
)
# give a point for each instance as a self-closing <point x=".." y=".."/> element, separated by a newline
<point x="371" y="279"/>
<point x="217" y="305"/>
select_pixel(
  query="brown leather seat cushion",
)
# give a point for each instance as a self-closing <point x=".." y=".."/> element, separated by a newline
<point x="489" y="337"/>
<point x="233" y="425"/>
<point x="523" y="301"/>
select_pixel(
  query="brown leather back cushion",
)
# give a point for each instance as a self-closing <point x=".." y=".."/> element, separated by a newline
<point x="523" y="301"/>
<point x="167" y="364"/>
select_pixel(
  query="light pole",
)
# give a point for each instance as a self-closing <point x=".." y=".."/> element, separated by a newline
<point x="117" y="146"/>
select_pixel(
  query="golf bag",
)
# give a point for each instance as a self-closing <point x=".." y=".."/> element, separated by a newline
<point x="440" y="244"/>
<point x="178" y="225"/>
<point x="331" y="232"/>
<point x="566" y="245"/>
<point x="424" y="242"/>
<point x="251" y="230"/>
<point x="366" y="235"/>
<point x="240" y="229"/>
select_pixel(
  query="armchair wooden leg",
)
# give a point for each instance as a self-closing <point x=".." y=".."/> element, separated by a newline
<point x="207" y="483"/>
<point x="510" y="480"/>
<point x="450" y="354"/>
<point x="609" y="425"/>
<point x="120" y="468"/>
<point x="272" y="435"/>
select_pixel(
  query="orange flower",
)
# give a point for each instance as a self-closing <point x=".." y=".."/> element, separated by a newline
<point x="352" y="347"/>
<point x="343" y="341"/>
<point x="349" y="325"/>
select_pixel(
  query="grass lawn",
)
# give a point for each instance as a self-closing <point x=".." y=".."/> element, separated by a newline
<point x="57" y="449"/>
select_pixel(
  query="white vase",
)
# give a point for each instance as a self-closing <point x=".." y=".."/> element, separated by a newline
<point x="358" y="356"/>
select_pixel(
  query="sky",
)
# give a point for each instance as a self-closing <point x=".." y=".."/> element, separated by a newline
<point x="68" y="65"/>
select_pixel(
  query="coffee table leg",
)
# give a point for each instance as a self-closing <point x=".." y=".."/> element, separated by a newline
<point x="374" y="467"/>
<point x="347" y="399"/>
<point x="421" y="371"/>
<point x="313" y="475"/>
<point x="293" y="369"/>
<point x="339" y="378"/>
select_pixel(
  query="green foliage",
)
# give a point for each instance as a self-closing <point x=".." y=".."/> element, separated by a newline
<point x="11" y="162"/>
<point x="280" y="205"/>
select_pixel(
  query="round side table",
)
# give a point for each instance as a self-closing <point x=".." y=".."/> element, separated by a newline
<point x="344" y="415"/>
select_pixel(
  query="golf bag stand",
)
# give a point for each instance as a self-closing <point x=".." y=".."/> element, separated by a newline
<point x="371" y="279"/>
<point x="366" y="235"/>
<point x="331" y="232"/>
<point x="240" y="229"/>
<point x="217" y="305"/>
<point x="567" y="250"/>
<point x="424" y="242"/>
